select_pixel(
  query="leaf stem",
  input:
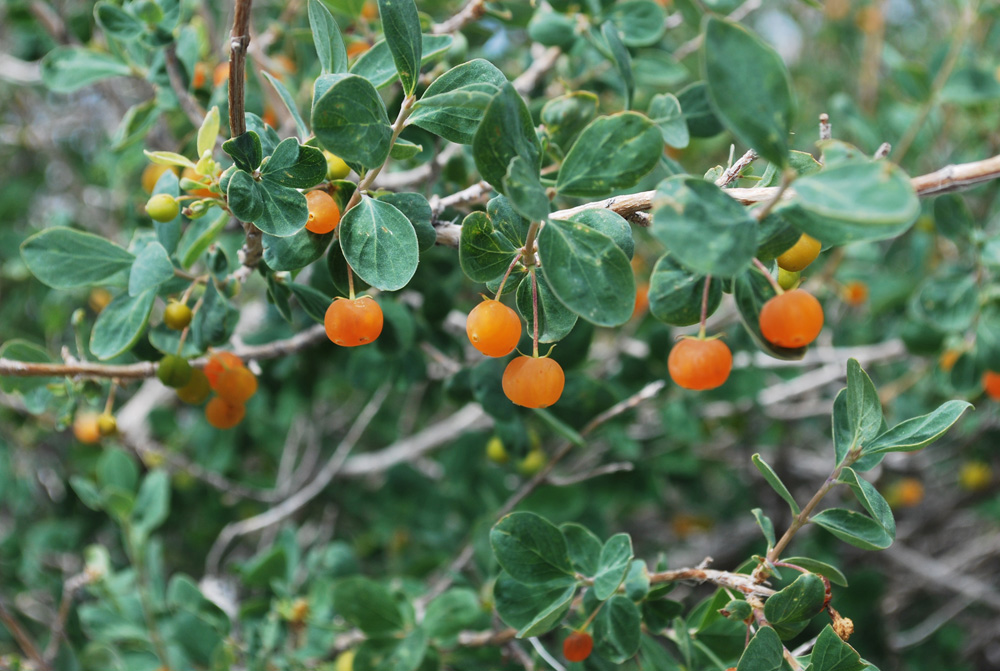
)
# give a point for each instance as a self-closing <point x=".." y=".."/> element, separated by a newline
<point x="704" y="307"/>
<point x="506" y="275"/>
<point x="397" y="127"/>
<point x="534" y="313"/>
<point x="770" y="278"/>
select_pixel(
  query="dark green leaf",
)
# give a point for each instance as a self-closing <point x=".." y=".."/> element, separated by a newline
<point x="704" y="229"/>
<point x="871" y="500"/>
<point x="610" y="224"/>
<point x="454" y="123"/>
<point x="377" y="66"/>
<point x="295" y="251"/>
<point x="532" y="609"/>
<point x="313" y="301"/>
<point x="451" y="612"/>
<point x="613" y="563"/>
<point x="949" y="302"/>
<point x="640" y="22"/>
<point x="489" y="242"/>
<point x="531" y="549"/>
<point x="555" y="320"/>
<point x="766" y="526"/>
<point x="613" y="152"/>
<point x="764" y="653"/>
<point x="698" y="114"/>
<point x="288" y="100"/>
<point x="775" y="482"/>
<point x="587" y="272"/>
<point x="326" y="36"/>
<point x="367" y="605"/>
<point x="617" y="630"/>
<point x="245" y="197"/>
<point x="152" y="268"/>
<point x="524" y="190"/>
<point x="918" y="432"/>
<point x="67" y="69"/>
<point x="117" y="469"/>
<point x="665" y="112"/>
<point x="953" y="218"/>
<point x="566" y="116"/>
<point x="152" y="504"/>
<point x="380" y="244"/>
<point x="855" y="528"/>
<point x="748" y="87"/>
<point x="117" y="22"/>
<point x="832" y="654"/>
<point x="637" y="581"/>
<point x="285" y="210"/>
<point x="215" y="321"/>
<point x="349" y="119"/>
<point x="63" y="258"/>
<point x="816" y="566"/>
<point x="584" y="547"/>
<point x="120" y="324"/>
<point x="199" y="236"/>
<point x="246" y="151"/>
<point x="621" y="59"/>
<point x="294" y="165"/>
<point x="505" y="131"/>
<point x="416" y="208"/>
<point x="801" y="600"/>
<point x="401" y="27"/>
<point x="404" y="149"/>
<point x="864" y="410"/>
<point x="675" y="293"/>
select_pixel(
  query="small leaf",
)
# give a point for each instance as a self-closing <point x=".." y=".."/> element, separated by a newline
<point x="401" y="27"/>
<point x="822" y="568"/>
<point x="295" y="251"/>
<point x="775" y="482"/>
<point x="915" y="433"/>
<point x="621" y="60"/>
<point x="799" y="601"/>
<point x="377" y="64"/>
<point x="764" y="653"/>
<point x="367" y="605"/>
<point x="610" y="224"/>
<point x="566" y="116"/>
<point x="117" y="22"/>
<point x="169" y="158"/>
<point x="855" y="528"/>
<point x="640" y="22"/>
<point x="451" y="612"/>
<point x="617" y="630"/>
<point x="675" y="293"/>
<point x="329" y="42"/>
<point x="506" y="131"/>
<point x="415" y="208"/>
<point x="665" y="112"/>
<point x="531" y="549"/>
<point x="67" y="69"/>
<point x="613" y="563"/>
<point x="613" y="152"/>
<point x="208" y="132"/>
<point x="532" y="609"/>
<point x="285" y="210"/>
<point x="152" y="268"/>
<point x="349" y="119"/>
<point x="871" y="500"/>
<point x="555" y="320"/>
<point x="637" y="581"/>
<point x="864" y="410"/>
<point x="152" y="504"/>
<point x="64" y="258"/>
<point x="490" y="241"/>
<point x="289" y="102"/>
<point x="215" y="321"/>
<point x="584" y="547"/>
<point x="120" y="324"/>
<point x="313" y="301"/>
<point x="766" y="526"/>
<point x="245" y="150"/>
<point x="294" y="165"/>
<point x="380" y="244"/>
<point x="748" y="87"/>
<point x="524" y="189"/>
<point x="832" y="654"/>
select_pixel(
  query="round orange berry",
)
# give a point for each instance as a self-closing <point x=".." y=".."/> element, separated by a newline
<point x="223" y="414"/>
<point x="791" y="319"/>
<point x="197" y="388"/>
<point x="991" y="384"/>
<point x="324" y="215"/>
<point x="86" y="427"/>
<point x="236" y="385"/>
<point x="801" y="254"/>
<point x="218" y="362"/>
<point x="200" y="75"/>
<point x="855" y="293"/>
<point x="533" y="382"/>
<point x="493" y="328"/>
<point x="577" y="646"/>
<point x="151" y="175"/>
<point x="641" y="300"/>
<point x="700" y="364"/>
<point x="350" y="323"/>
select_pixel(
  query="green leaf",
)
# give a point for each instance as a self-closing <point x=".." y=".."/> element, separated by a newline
<point x="552" y="29"/>
<point x="505" y="131"/>
<point x="87" y="491"/>
<point x="864" y="410"/>
<point x="377" y="65"/>
<point x="489" y="241"/>
<point x="530" y="548"/>
<point x="152" y="268"/>
<point x="748" y="87"/>
<point x="816" y="566"/>
<point x="295" y="251"/>
<point x="208" y="131"/>
<point x="871" y="500"/>
<point x="665" y="112"/>
<point x="613" y="152"/>
<point x="584" y="547"/>
<point x="285" y="210"/>
<point x="750" y="291"/>
<point x="451" y="612"/>
<point x="637" y="581"/>
<point x="949" y="302"/>
<point x="401" y="27"/>
<point x="326" y="36"/>
<point x="115" y="468"/>
<point x="532" y="609"/>
<point x="349" y="119"/>
<point x="855" y="528"/>
<point x="120" y="324"/>
<point x="640" y="22"/>
<point x="617" y="629"/>
<point x="215" y="321"/>
<point x="416" y="208"/>
<point x="953" y="219"/>
<point x="22" y="350"/>
<point x="117" y="22"/>
<point x="621" y="60"/>
<point x="610" y="224"/>
<point x="566" y="116"/>
<point x="67" y="69"/>
<point x="367" y="605"/>
<point x="380" y="244"/>
<point x="245" y="197"/>
<point x="698" y="114"/>
<point x="832" y="654"/>
<point x="313" y="301"/>
<point x="289" y="101"/>
<point x="675" y="293"/>
<point x="555" y="320"/>
<point x="766" y="526"/>
<point x="613" y="563"/>
<point x="152" y="504"/>
<point x="587" y="272"/>
<point x="854" y="201"/>
<point x="294" y="165"/>
<point x="915" y="433"/>
<point x="63" y="258"/>
<point x="775" y="482"/>
<point x="764" y="653"/>
<point x="704" y="229"/>
<point x="524" y="189"/>
<point x="453" y="105"/>
<point x="199" y="236"/>
<point x="799" y="601"/>
<point x="246" y="150"/>
<point x="404" y="149"/>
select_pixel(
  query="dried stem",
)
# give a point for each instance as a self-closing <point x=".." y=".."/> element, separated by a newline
<point x="189" y="105"/>
<point x="472" y="11"/>
<point x="733" y="171"/>
<point x="22" y="637"/>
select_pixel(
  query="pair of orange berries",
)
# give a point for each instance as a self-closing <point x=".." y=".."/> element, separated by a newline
<point x="529" y="381"/>
<point x="233" y="384"/>
<point x="791" y="319"/>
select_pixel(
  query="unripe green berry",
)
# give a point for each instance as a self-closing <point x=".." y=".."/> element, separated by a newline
<point x="336" y="168"/>
<point x="107" y="424"/>
<point x="177" y="316"/>
<point x="174" y="371"/>
<point x="788" y="279"/>
<point x="163" y="207"/>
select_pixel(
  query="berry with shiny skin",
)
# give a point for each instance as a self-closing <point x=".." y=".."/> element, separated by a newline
<point x="801" y="254"/>
<point x="107" y="425"/>
<point x="336" y="167"/>
<point x="86" y="427"/>
<point x="788" y="279"/>
<point x="223" y="414"/>
<point x="493" y="328"/>
<point x="495" y="451"/>
<point x="174" y="371"/>
<point x="218" y="362"/>
<point x="533" y="382"/>
<point x="792" y="319"/>
<point x="196" y="390"/>
<point x="151" y="175"/>
<point x="577" y="646"/>
<point x="700" y="364"/>
<point x="324" y="215"/>
<point x="236" y="385"/>
<point x="162" y="207"/>
<point x="350" y="323"/>
<point x="177" y="316"/>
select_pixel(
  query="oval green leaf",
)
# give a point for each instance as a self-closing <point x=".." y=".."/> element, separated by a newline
<point x="64" y="258"/>
<point x="380" y="244"/>
<point x="120" y="324"/>
<point x="349" y="119"/>
<point x="675" y="293"/>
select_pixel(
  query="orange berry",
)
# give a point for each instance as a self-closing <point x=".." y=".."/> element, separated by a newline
<point x="493" y="328"/>
<point x="533" y="382"/>
<point x="801" y="254"/>
<point x="236" y="385"/>
<point x="195" y="176"/>
<point x="911" y="492"/>
<point x="220" y="74"/>
<point x="350" y="323"/>
<point x="369" y="10"/>
<point x="577" y="646"/>
<point x="151" y="175"/>
<point x="641" y="300"/>
<point x="269" y="117"/>
<point x="855" y="293"/>
<point x="200" y="75"/>
<point x="357" y="48"/>
<point x="222" y="414"/>
<point x="324" y="215"/>
<point x="991" y="384"/>
<point x="86" y="427"/>
<point x="791" y="319"/>
<point x="197" y="388"/>
<point x="219" y="362"/>
<point x="700" y="364"/>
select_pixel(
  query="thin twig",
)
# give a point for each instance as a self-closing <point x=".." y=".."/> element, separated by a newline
<point x="733" y="171"/>
<point x="189" y="105"/>
<point x="472" y="11"/>
<point x="22" y="637"/>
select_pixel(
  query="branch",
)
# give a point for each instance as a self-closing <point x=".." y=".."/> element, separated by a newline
<point x="22" y="637"/>
<point x="733" y="171"/>
<point x="189" y="105"/>
<point x="472" y="11"/>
